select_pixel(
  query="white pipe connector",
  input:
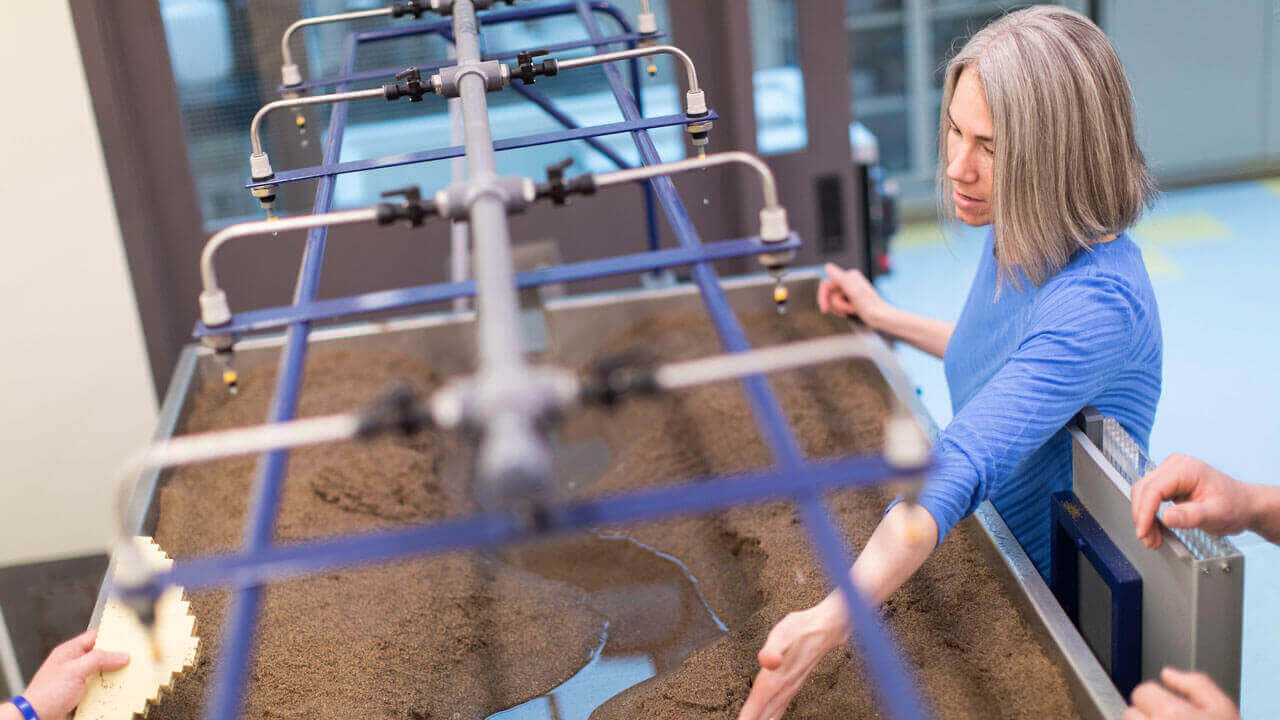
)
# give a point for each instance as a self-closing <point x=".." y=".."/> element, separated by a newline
<point x="696" y="103"/>
<point x="290" y="75"/>
<point x="774" y="227"/>
<point x="905" y="445"/>
<point x="260" y="166"/>
<point x="647" y="23"/>
<point x="215" y="311"/>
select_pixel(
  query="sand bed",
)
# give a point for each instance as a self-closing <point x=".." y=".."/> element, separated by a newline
<point x="468" y="635"/>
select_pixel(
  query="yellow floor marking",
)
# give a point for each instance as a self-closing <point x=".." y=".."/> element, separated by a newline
<point x="1181" y="229"/>
<point x="1158" y="264"/>
<point x="919" y="235"/>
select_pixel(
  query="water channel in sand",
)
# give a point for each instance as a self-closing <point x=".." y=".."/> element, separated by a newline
<point x="656" y="617"/>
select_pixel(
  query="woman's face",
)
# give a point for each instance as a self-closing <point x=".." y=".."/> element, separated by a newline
<point x="970" y="150"/>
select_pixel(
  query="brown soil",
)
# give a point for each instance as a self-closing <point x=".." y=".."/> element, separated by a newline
<point x="465" y="636"/>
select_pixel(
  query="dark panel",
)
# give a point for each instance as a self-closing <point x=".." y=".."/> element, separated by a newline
<point x="126" y="63"/>
<point x="47" y="603"/>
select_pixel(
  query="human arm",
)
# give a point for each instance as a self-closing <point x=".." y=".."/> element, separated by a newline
<point x="848" y="292"/>
<point x="1205" y="498"/>
<point x="1196" y="698"/>
<point x="1079" y="338"/>
<point x="59" y="684"/>
<point x="898" y="547"/>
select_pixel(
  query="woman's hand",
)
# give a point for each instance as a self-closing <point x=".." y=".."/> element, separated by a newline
<point x="792" y="650"/>
<point x="1196" y="698"/>
<point x="1205" y="498"/>
<point x="849" y="292"/>
<point x="59" y="684"/>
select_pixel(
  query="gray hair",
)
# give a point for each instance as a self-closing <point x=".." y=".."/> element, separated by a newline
<point x="1068" y="169"/>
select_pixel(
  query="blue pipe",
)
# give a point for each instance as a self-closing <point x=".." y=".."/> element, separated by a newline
<point x="388" y="73"/>
<point x="484" y="530"/>
<point x="384" y="300"/>
<point x="242" y="616"/>
<point x="547" y="138"/>
<point x="892" y="682"/>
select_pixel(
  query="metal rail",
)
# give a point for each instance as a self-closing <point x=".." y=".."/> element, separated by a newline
<point x="208" y="273"/>
<point x="255" y="126"/>
<point x="287" y="55"/>
<point x="274" y="318"/>
<point x="768" y="184"/>
<point x="547" y="138"/>
<point x="691" y="73"/>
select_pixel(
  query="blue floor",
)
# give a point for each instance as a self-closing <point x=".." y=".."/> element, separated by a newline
<point x="1213" y="253"/>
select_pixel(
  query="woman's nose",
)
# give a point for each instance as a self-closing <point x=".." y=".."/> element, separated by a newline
<point x="961" y="168"/>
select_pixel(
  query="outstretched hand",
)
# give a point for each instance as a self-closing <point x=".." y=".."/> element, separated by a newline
<point x="790" y="653"/>
<point x="59" y="684"/>
<point x="1184" y="696"/>
<point x="1205" y="498"/>
<point x="850" y="293"/>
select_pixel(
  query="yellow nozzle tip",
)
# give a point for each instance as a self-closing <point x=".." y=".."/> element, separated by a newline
<point x="230" y="377"/>
<point x="301" y="121"/>
<point x="780" y="294"/>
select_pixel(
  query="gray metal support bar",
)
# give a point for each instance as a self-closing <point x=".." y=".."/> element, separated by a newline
<point x="514" y="462"/>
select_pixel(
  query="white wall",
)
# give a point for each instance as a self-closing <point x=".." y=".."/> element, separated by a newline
<point x="75" y="391"/>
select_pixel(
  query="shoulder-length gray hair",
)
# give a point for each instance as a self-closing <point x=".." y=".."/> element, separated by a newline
<point x="1067" y="168"/>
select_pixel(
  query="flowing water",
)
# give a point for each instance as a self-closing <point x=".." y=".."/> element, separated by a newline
<point x="656" y="617"/>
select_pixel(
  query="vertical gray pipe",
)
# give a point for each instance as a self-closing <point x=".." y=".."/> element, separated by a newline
<point x="514" y="463"/>
<point x="495" y="279"/>
<point x="460" y="230"/>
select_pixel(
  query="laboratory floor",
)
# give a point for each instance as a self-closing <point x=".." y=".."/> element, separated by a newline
<point x="1213" y="253"/>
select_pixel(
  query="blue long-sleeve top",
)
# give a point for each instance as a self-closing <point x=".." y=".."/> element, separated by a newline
<point x="1021" y="364"/>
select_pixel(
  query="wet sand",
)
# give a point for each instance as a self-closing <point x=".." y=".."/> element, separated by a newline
<point x="468" y="635"/>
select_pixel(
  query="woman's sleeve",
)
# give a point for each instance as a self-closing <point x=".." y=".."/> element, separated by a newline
<point x="1079" y="336"/>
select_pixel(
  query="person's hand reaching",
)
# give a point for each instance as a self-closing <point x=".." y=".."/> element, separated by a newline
<point x="1205" y="499"/>
<point x="850" y="293"/>
<point x="59" y="684"/>
<point x="792" y="650"/>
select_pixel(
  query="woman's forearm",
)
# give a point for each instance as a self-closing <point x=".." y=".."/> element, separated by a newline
<point x="9" y="712"/>
<point x="925" y="333"/>
<point x="898" y="547"/>
<point x="1265" y="515"/>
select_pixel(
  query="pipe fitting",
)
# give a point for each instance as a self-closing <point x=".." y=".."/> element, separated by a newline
<point x="290" y="75"/>
<point x="773" y="225"/>
<point x="260" y="166"/>
<point x="495" y="74"/>
<point x="215" y="311"/>
<point x="455" y="201"/>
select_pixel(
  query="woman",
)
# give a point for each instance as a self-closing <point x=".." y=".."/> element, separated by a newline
<point x="1036" y="139"/>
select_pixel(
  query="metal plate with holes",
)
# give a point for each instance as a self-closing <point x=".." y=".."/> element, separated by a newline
<point x="1192" y="607"/>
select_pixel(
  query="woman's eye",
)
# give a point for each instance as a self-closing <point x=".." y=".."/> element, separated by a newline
<point x="989" y="150"/>
<point x="955" y="129"/>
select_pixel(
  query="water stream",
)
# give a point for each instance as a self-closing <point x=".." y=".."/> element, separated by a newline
<point x="656" y="617"/>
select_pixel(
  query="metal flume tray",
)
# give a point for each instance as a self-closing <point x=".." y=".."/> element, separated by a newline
<point x="571" y="329"/>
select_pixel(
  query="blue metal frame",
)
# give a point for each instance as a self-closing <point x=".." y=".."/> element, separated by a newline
<point x="261" y="561"/>
<point x="1076" y="533"/>
<point x="381" y="301"/>
<point x="482" y="530"/>
<point x="331" y="168"/>
<point x="388" y="73"/>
